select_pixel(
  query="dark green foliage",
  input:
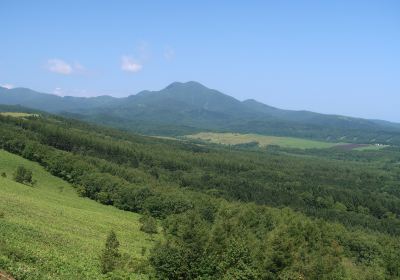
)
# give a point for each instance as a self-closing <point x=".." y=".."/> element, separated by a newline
<point x="3" y="174"/>
<point x="110" y="256"/>
<point x="203" y="197"/>
<point x="23" y="175"/>
<point x="149" y="224"/>
<point x="103" y="169"/>
<point x="280" y="246"/>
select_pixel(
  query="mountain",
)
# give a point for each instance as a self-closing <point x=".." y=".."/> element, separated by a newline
<point x="183" y="108"/>
<point x="50" y="102"/>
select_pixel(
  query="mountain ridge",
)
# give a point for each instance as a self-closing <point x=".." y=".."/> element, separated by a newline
<point x="191" y="106"/>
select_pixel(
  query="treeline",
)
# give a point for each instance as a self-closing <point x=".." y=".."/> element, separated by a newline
<point x="246" y="241"/>
<point x="353" y="194"/>
<point x="207" y="237"/>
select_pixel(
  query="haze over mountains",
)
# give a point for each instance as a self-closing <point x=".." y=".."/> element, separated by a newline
<point x="182" y="108"/>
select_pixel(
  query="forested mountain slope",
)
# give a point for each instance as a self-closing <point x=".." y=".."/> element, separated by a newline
<point x="184" y="108"/>
<point x="232" y="214"/>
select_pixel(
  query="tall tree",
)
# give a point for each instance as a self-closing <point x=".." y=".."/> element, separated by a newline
<point x="110" y="255"/>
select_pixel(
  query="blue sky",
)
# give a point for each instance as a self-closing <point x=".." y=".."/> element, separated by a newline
<point x="326" y="56"/>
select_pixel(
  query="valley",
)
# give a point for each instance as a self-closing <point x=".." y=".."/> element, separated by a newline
<point x="329" y="204"/>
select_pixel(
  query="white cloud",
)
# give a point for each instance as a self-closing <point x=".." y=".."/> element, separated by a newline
<point x="169" y="53"/>
<point x="130" y="65"/>
<point x="59" y="66"/>
<point x="135" y="63"/>
<point x="7" y="86"/>
<point x="58" y="91"/>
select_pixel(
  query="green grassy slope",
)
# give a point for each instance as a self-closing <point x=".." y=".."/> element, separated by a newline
<point x="49" y="232"/>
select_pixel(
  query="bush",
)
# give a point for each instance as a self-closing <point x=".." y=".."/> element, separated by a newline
<point x="23" y="175"/>
<point x="3" y="174"/>
<point x="149" y="224"/>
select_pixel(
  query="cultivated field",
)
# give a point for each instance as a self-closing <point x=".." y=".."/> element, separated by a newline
<point x="18" y="114"/>
<point x="48" y="232"/>
<point x="286" y="142"/>
<point x="262" y="140"/>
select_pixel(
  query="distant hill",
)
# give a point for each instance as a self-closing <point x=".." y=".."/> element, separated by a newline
<point x="50" y="102"/>
<point x="183" y="108"/>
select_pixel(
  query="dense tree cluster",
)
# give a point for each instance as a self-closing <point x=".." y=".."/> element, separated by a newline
<point x="205" y="197"/>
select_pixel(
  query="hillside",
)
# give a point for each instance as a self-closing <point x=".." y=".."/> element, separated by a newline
<point x="48" y="232"/>
<point x="185" y="108"/>
<point x="226" y="214"/>
<point x="50" y="102"/>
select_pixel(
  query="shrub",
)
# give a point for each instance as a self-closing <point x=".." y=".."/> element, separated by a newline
<point x="23" y="175"/>
<point x="149" y="224"/>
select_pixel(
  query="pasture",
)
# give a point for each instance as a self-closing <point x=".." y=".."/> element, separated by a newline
<point x="262" y="140"/>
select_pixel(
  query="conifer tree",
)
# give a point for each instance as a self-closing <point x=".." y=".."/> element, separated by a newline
<point x="110" y="255"/>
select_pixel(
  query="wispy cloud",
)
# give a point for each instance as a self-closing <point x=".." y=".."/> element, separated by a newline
<point x="58" y="91"/>
<point x="63" y="67"/>
<point x="135" y="63"/>
<point x="59" y="66"/>
<point x="7" y="86"/>
<point x="169" y="53"/>
<point x="129" y="64"/>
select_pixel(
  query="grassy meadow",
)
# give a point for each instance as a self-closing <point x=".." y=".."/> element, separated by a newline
<point x="285" y="142"/>
<point x="48" y="232"/>
<point x="262" y="140"/>
<point x="18" y="114"/>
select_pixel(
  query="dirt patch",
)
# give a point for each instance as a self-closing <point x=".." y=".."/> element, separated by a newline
<point x="5" y="276"/>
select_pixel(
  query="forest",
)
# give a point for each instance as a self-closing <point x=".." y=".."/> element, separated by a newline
<point x="232" y="212"/>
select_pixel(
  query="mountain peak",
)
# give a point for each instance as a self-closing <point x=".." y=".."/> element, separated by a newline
<point x="190" y="84"/>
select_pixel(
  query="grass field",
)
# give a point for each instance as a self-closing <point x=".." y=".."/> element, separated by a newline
<point x="49" y="232"/>
<point x="262" y="140"/>
<point x="18" y="114"/>
<point x="371" y="147"/>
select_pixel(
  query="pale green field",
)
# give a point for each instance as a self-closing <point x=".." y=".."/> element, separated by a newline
<point x="18" y="114"/>
<point x="263" y="141"/>
<point x="49" y="232"/>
